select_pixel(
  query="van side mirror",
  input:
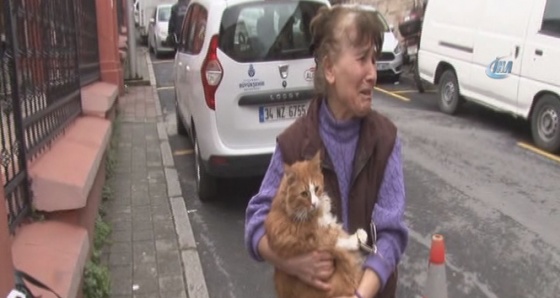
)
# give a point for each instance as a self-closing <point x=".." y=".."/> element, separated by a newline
<point x="152" y="21"/>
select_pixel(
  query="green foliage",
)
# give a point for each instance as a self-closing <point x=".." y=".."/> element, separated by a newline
<point x="102" y="232"/>
<point x="107" y="192"/>
<point x="111" y="163"/>
<point x="97" y="282"/>
<point x="112" y="149"/>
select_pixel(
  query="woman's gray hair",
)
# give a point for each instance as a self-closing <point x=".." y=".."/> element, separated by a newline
<point x="326" y="34"/>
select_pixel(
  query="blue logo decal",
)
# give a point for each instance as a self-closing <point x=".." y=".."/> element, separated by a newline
<point x="251" y="71"/>
<point x="499" y="69"/>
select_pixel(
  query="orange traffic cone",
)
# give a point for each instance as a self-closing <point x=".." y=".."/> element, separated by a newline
<point x="436" y="285"/>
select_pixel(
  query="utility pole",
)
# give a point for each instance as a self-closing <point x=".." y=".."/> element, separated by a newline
<point x="132" y="59"/>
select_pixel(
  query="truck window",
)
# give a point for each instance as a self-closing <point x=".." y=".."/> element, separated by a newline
<point x="551" y="18"/>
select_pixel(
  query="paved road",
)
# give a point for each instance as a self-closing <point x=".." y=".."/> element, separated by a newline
<point x="497" y="204"/>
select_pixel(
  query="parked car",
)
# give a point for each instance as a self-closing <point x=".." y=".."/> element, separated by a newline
<point x="157" y="31"/>
<point x="243" y="73"/>
<point x="390" y="63"/>
<point x="146" y="10"/>
<point x="500" y="54"/>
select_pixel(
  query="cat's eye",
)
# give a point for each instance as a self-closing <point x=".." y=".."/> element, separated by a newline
<point x="316" y="189"/>
<point x="305" y="194"/>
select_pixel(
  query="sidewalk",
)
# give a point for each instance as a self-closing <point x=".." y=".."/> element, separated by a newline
<point x="152" y="241"/>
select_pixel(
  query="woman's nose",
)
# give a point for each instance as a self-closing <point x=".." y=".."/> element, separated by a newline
<point x="371" y="73"/>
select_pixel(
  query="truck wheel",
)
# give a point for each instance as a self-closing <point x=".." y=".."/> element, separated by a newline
<point x="449" y="98"/>
<point x="416" y="77"/>
<point x="545" y="123"/>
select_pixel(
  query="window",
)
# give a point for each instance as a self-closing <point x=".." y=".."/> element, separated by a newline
<point x="267" y="31"/>
<point x="194" y="29"/>
<point x="551" y="18"/>
<point x="199" y="31"/>
<point x="187" y="23"/>
<point x="164" y="13"/>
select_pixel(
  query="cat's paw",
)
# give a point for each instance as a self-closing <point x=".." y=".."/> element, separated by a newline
<point x="362" y="236"/>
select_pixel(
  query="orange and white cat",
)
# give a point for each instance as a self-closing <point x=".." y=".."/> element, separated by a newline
<point x="300" y="221"/>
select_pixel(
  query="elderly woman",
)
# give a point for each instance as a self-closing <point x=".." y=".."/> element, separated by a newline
<point x="361" y="154"/>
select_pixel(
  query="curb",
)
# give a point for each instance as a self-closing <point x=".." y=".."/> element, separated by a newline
<point x="194" y="276"/>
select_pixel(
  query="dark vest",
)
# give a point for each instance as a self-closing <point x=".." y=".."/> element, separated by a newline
<point x="302" y="140"/>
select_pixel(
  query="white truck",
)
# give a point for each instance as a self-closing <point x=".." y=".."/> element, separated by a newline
<point x="145" y="10"/>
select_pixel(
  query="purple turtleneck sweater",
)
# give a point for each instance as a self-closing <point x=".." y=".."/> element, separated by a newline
<point x="340" y="139"/>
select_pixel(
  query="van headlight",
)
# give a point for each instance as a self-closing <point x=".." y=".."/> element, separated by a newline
<point x="398" y="49"/>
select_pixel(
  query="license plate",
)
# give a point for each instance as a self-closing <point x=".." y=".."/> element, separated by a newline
<point x="382" y="66"/>
<point x="281" y="112"/>
<point x="412" y="50"/>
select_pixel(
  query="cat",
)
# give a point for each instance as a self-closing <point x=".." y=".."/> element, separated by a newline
<point x="300" y="221"/>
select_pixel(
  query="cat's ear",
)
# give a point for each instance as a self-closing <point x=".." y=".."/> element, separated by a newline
<point x="316" y="160"/>
<point x="288" y="172"/>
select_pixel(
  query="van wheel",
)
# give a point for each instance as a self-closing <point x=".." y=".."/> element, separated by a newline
<point x="449" y="99"/>
<point x="181" y="129"/>
<point x="545" y="123"/>
<point x="205" y="184"/>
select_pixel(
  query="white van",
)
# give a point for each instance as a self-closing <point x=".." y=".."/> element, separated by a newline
<point x="502" y="54"/>
<point x="243" y="73"/>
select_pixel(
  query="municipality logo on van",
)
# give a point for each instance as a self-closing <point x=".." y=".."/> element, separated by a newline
<point x="499" y="68"/>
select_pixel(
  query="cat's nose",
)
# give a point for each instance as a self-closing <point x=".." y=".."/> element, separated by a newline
<point x="315" y="200"/>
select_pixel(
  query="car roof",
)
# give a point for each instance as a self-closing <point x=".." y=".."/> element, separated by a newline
<point x="208" y="3"/>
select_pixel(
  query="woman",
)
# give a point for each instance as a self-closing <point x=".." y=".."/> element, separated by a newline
<point x="360" y="149"/>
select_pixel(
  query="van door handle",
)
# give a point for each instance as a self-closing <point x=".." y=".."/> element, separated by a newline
<point x="516" y="51"/>
<point x="538" y="52"/>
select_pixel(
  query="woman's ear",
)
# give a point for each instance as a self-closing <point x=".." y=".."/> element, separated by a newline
<point x="328" y="70"/>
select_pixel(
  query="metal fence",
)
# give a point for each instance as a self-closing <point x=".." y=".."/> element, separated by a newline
<point x="48" y="51"/>
<point x="86" y="24"/>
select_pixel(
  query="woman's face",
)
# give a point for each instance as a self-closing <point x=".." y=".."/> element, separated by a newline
<point x="351" y="75"/>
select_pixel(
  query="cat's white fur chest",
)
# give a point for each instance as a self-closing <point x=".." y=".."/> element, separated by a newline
<point x="328" y="220"/>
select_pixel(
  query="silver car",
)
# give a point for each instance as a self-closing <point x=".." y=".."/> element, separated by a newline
<point x="157" y="31"/>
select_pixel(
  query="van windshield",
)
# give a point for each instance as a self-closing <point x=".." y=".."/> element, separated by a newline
<point x="267" y="31"/>
<point x="164" y="13"/>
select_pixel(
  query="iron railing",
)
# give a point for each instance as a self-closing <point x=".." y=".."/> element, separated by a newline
<point x="86" y="24"/>
<point x="47" y="59"/>
<point x="12" y="151"/>
<point x="48" y="51"/>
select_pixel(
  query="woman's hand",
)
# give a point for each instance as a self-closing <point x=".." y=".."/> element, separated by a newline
<point x="313" y="268"/>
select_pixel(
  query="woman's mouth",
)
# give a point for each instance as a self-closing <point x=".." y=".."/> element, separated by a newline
<point x="366" y="92"/>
